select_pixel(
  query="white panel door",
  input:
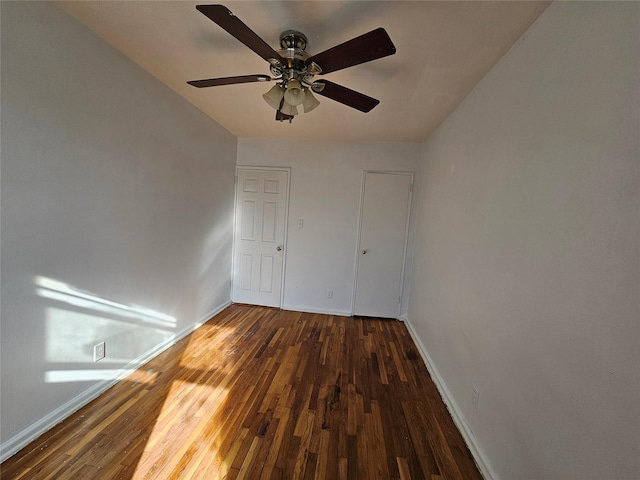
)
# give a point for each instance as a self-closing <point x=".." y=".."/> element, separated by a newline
<point x="383" y="231"/>
<point x="261" y="201"/>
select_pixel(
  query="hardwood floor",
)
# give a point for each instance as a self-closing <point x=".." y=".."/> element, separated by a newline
<point x="263" y="393"/>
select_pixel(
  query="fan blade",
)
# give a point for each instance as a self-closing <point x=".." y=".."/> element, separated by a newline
<point x="370" y="46"/>
<point x="214" y="82"/>
<point x="233" y="25"/>
<point x="348" y="97"/>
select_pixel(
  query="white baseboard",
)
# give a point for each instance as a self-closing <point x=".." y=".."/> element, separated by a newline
<point x="29" y="434"/>
<point x="339" y="313"/>
<point x="469" y="438"/>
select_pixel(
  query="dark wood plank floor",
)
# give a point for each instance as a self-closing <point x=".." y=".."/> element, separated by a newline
<point x="263" y="393"/>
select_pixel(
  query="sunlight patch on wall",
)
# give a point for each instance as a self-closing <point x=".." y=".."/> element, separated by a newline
<point x="61" y="292"/>
<point x="217" y="245"/>
<point x="59" y="376"/>
<point x="215" y="257"/>
<point x="76" y="320"/>
<point x="133" y="376"/>
<point x="71" y="335"/>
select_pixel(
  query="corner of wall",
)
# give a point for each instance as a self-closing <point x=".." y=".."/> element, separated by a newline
<point x="465" y="430"/>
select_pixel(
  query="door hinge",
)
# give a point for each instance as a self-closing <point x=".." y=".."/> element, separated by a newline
<point x="411" y="187"/>
<point x="399" y="298"/>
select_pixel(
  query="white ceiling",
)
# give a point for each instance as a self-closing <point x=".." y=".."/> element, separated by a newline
<point x="443" y="50"/>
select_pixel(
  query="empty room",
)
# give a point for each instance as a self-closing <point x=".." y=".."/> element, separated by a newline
<point x="320" y="239"/>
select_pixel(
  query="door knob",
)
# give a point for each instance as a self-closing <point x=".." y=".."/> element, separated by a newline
<point x="279" y="248"/>
<point x="364" y="252"/>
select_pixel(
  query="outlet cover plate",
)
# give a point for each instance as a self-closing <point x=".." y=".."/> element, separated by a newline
<point x="99" y="351"/>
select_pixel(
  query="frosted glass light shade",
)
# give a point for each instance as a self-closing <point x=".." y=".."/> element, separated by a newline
<point x="294" y="94"/>
<point x="289" y="109"/>
<point x="274" y="96"/>
<point x="310" y="102"/>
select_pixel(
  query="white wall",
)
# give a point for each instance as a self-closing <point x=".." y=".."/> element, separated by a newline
<point x="117" y="207"/>
<point x="526" y="276"/>
<point x="326" y="187"/>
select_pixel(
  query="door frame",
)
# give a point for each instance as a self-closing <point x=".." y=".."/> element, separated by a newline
<point x="286" y="170"/>
<point x="406" y="235"/>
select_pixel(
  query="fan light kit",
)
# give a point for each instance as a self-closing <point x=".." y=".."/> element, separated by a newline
<point x="294" y="69"/>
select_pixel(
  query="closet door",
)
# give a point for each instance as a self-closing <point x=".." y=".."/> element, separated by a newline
<point x="382" y="241"/>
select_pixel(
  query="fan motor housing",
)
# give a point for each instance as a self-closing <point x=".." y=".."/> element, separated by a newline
<point x="293" y="45"/>
<point x="293" y="51"/>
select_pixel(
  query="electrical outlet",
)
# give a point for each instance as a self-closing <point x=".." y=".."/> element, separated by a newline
<point x="475" y="398"/>
<point x="329" y="293"/>
<point x="99" y="351"/>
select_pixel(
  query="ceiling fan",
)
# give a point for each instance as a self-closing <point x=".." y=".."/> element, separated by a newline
<point x="294" y="69"/>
